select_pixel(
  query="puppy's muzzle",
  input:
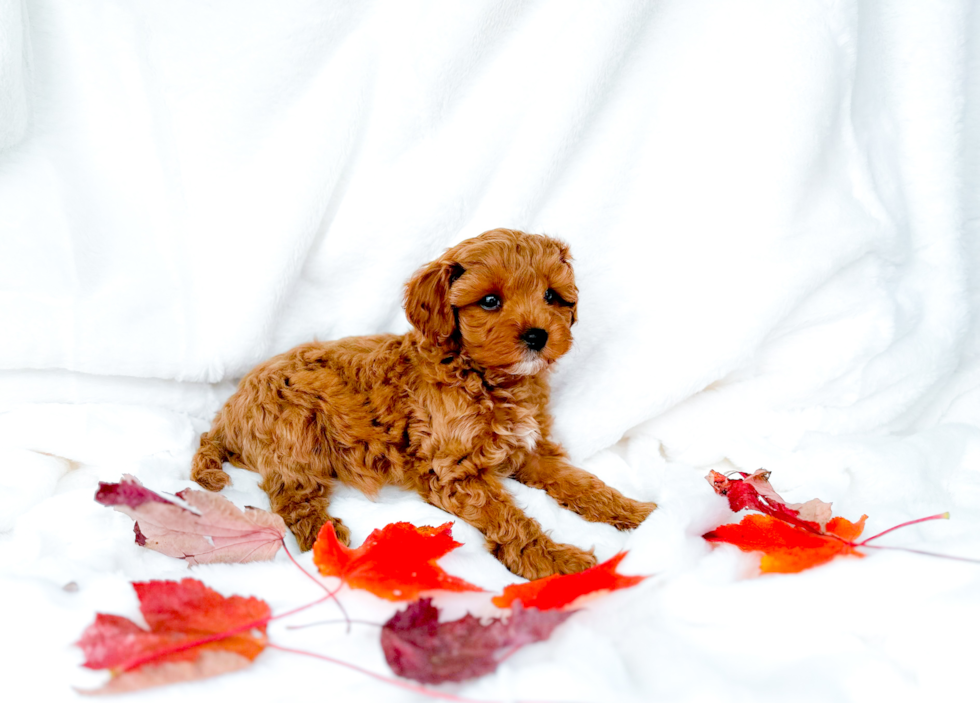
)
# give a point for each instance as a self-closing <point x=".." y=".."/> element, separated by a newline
<point x="535" y="338"/>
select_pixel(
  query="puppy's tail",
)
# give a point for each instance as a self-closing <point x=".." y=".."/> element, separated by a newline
<point x="206" y="468"/>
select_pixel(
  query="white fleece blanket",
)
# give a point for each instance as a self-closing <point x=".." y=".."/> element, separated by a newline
<point x="774" y="212"/>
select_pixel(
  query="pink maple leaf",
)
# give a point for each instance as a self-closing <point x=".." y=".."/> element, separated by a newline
<point x="207" y="528"/>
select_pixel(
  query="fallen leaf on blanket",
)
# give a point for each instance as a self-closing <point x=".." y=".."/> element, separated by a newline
<point x="209" y="528"/>
<point x="755" y="493"/>
<point x="787" y="548"/>
<point x="419" y="647"/>
<point x="845" y="529"/>
<point x="397" y="562"/>
<point x="193" y="632"/>
<point x="561" y="590"/>
<point x="791" y="536"/>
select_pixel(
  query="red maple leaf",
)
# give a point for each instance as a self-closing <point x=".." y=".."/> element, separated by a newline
<point x="193" y="632"/>
<point x="397" y="562"/>
<point x="206" y="528"/>
<point x="561" y="590"/>
<point x="787" y="548"/>
<point x="792" y="536"/>
<point x="754" y="492"/>
<point x="418" y="646"/>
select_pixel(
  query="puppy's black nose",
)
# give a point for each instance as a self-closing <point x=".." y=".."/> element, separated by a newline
<point x="535" y="338"/>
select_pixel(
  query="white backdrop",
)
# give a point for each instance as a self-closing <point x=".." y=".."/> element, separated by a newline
<point x="774" y="213"/>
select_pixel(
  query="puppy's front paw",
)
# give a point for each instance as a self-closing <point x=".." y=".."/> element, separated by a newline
<point x="543" y="557"/>
<point x="570" y="560"/>
<point x="341" y="530"/>
<point x="632" y="514"/>
<point x="306" y="532"/>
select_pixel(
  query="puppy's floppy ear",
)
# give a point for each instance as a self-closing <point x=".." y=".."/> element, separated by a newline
<point x="427" y="302"/>
<point x="565" y="255"/>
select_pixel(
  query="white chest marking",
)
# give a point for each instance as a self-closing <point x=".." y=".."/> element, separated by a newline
<point x="527" y="433"/>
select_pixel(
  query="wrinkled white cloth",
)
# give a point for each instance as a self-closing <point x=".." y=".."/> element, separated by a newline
<point x="774" y="212"/>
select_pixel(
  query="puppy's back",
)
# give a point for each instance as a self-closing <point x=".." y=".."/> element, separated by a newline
<point x="308" y="403"/>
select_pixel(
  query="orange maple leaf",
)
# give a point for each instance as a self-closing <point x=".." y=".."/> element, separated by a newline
<point x="396" y="563"/>
<point x="194" y="632"/>
<point x="788" y="549"/>
<point x="560" y="591"/>
<point x="845" y="529"/>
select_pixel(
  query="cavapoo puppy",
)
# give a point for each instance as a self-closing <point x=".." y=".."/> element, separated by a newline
<point x="447" y="410"/>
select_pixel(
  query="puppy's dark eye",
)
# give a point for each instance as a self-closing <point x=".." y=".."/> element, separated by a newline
<point x="551" y="297"/>
<point x="490" y="302"/>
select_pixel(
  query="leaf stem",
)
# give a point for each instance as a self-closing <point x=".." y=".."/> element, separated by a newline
<point x="191" y="644"/>
<point x="920" y="551"/>
<point x="331" y="594"/>
<point x="940" y="516"/>
<point x="333" y="622"/>
<point x="380" y="677"/>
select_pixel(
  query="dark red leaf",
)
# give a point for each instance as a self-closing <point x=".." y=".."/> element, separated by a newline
<point x="755" y="493"/>
<point x="418" y="646"/>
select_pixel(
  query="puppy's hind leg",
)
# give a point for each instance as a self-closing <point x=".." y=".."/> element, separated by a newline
<point x="302" y="501"/>
<point x="207" y="465"/>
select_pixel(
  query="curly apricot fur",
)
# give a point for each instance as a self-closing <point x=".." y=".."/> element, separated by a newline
<point x="447" y="410"/>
